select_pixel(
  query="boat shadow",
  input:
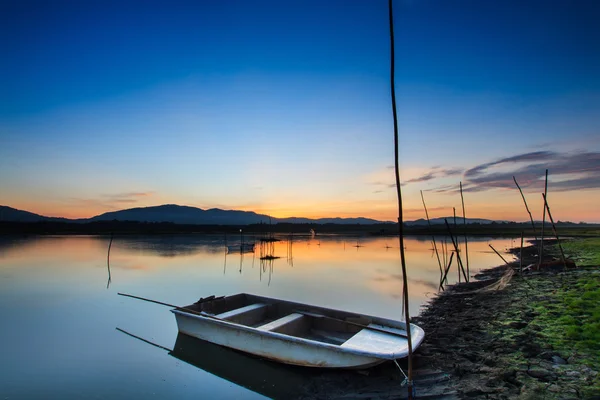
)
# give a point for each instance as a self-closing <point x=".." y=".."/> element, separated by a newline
<point x="274" y="380"/>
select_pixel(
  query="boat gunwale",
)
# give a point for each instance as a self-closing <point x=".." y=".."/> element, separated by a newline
<point x="417" y="332"/>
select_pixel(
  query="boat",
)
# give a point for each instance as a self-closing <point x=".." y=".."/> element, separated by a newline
<point x="296" y="333"/>
<point x="241" y="248"/>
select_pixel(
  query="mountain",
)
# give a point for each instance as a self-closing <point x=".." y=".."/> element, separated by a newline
<point x="459" y="220"/>
<point x="184" y="215"/>
<point x="14" y="215"/>
<point x="181" y="215"/>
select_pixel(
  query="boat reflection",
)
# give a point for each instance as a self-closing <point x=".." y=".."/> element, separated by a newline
<point x="274" y="380"/>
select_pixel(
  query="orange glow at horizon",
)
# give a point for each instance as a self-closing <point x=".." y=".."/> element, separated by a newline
<point x="496" y="205"/>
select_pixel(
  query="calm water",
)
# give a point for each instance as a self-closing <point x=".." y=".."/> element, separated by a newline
<point x="59" y="311"/>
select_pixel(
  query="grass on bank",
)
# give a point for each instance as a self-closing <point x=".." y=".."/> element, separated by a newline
<point x="570" y="317"/>
<point x="585" y="252"/>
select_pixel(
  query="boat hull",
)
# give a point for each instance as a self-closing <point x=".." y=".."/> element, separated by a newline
<point x="281" y="348"/>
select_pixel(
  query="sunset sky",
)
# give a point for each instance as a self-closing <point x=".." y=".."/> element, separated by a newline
<point x="283" y="107"/>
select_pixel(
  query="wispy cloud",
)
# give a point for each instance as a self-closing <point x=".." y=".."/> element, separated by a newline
<point x="434" y="173"/>
<point x="568" y="171"/>
<point x="109" y="201"/>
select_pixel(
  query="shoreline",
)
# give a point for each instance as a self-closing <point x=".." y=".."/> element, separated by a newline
<point x="490" y="344"/>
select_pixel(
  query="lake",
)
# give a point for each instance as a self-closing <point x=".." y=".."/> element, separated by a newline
<point x="60" y="311"/>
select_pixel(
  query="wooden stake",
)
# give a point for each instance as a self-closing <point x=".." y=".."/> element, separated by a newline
<point x="454" y="211"/>
<point x="499" y="255"/>
<point x="108" y="261"/>
<point x="527" y="208"/>
<point x="521" y="256"/>
<point x="460" y="264"/>
<point x="562" y="253"/>
<point x="448" y="267"/>
<point x="462" y="200"/>
<point x="432" y="238"/>
<point x="543" y="220"/>
<point x="399" y="195"/>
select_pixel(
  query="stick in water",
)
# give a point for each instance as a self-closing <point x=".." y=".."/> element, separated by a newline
<point x="203" y="314"/>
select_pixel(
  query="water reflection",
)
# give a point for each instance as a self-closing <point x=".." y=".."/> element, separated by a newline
<point x="274" y="380"/>
<point x="54" y="302"/>
<point x="268" y="378"/>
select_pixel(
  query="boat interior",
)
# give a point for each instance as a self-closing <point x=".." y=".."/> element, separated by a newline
<point x="294" y="319"/>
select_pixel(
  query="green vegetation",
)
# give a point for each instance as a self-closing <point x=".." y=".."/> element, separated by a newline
<point x="585" y="252"/>
<point x="552" y="314"/>
<point x="570" y="314"/>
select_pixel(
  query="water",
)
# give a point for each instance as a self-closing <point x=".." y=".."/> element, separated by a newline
<point x="59" y="311"/>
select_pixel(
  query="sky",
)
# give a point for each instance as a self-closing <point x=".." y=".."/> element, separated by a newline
<point x="284" y="107"/>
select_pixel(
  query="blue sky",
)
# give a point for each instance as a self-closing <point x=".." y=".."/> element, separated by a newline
<point x="284" y="107"/>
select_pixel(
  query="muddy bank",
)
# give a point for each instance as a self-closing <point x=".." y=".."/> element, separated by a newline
<point x="489" y="344"/>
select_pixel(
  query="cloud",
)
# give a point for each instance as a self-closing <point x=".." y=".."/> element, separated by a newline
<point x="568" y="171"/>
<point x="127" y="195"/>
<point x="434" y="173"/>
<point x="526" y="157"/>
<point x="111" y="201"/>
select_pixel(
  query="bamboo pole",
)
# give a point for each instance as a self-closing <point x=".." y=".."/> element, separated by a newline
<point x="454" y="211"/>
<point x="526" y="207"/>
<point x="448" y="267"/>
<point x="458" y="259"/>
<point x="187" y="310"/>
<point x="108" y="261"/>
<point x="462" y="200"/>
<point x="432" y="237"/>
<point x="499" y="255"/>
<point x="143" y="340"/>
<point x="399" y="195"/>
<point x="543" y="220"/>
<point x="562" y="253"/>
<point x="521" y="256"/>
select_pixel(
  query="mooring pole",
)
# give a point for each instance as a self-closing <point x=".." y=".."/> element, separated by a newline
<point x="399" y="195"/>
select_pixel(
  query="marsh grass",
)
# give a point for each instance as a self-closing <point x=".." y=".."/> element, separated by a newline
<point x="585" y="252"/>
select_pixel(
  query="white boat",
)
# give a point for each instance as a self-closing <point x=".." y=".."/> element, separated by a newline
<point x="295" y="333"/>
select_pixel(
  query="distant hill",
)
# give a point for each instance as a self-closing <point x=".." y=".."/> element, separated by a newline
<point x="459" y="220"/>
<point x="15" y="215"/>
<point x="184" y="215"/>
<point x="181" y="215"/>
<point x="175" y="214"/>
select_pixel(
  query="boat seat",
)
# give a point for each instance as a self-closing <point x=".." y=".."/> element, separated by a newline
<point x="287" y="324"/>
<point x="247" y="315"/>
<point x="376" y="341"/>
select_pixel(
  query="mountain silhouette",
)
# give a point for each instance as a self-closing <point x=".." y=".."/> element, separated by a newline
<point x="180" y="215"/>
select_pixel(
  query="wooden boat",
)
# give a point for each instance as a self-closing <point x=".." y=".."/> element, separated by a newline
<point x="241" y="248"/>
<point x="295" y="333"/>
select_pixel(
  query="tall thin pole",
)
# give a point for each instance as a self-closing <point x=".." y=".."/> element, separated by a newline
<point x="454" y="211"/>
<point x="543" y="219"/>
<point x="562" y="253"/>
<point x="432" y="237"/>
<point x="526" y="207"/>
<point x="462" y="199"/>
<point x="399" y="195"/>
